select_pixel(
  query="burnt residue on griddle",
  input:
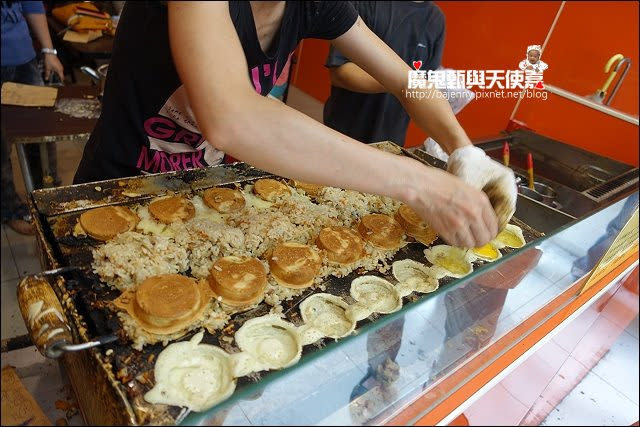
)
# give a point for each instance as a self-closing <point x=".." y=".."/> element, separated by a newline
<point x="92" y="298"/>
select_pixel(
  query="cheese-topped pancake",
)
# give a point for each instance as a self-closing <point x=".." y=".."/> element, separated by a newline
<point x="238" y="281"/>
<point x="166" y="303"/>
<point x="224" y="200"/>
<point x="312" y="190"/>
<point x="341" y="244"/>
<point x="414" y="226"/>
<point x="170" y="209"/>
<point x="107" y="222"/>
<point x="381" y="231"/>
<point x="270" y="189"/>
<point x="294" y="265"/>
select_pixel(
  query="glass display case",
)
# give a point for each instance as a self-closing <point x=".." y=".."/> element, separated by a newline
<point x="434" y="346"/>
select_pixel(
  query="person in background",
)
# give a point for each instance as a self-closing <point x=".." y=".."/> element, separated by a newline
<point x="19" y="64"/>
<point x="359" y="106"/>
<point x="458" y="96"/>
<point x="362" y="108"/>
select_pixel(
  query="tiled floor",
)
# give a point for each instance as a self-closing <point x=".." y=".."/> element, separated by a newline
<point x="613" y="380"/>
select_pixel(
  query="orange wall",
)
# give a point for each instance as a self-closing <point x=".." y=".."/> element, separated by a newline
<point x="485" y="36"/>
<point x="494" y="35"/>
<point x="586" y="36"/>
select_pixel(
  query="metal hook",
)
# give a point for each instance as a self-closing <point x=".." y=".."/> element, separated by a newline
<point x="601" y="93"/>
<point x="624" y="61"/>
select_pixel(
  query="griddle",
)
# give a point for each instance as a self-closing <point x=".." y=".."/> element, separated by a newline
<point x="85" y="299"/>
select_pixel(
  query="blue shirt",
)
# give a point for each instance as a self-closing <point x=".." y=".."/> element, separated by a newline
<point x="17" y="47"/>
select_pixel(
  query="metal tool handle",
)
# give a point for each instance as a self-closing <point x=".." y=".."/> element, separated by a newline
<point x="91" y="73"/>
<point x="43" y="315"/>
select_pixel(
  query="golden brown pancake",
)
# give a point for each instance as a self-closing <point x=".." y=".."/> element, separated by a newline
<point x="312" y="190"/>
<point x="239" y="281"/>
<point x="170" y="209"/>
<point x="294" y="265"/>
<point x="414" y="226"/>
<point x="381" y="231"/>
<point x="107" y="222"/>
<point x="341" y="244"/>
<point x="269" y="189"/>
<point x="223" y="200"/>
<point x="166" y="303"/>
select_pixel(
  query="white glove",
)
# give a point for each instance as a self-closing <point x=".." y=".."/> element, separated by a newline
<point x="473" y="166"/>
<point x="433" y="149"/>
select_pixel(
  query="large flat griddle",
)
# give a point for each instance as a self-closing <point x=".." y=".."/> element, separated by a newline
<point x="86" y="298"/>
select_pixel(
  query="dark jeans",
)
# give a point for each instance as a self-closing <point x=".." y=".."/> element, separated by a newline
<point x="12" y="206"/>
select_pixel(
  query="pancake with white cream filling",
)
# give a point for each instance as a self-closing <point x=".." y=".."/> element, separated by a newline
<point x="270" y="341"/>
<point x="376" y="294"/>
<point x="193" y="375"/>
<point x="327" y="313"/>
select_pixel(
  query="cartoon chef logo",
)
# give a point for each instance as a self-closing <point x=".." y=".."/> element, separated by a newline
<point x="533" y="62"/>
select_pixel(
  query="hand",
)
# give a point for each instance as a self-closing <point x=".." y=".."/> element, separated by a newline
<point x="459" y="213"/>
<point x="497" y="181"/>
<point x="52" y="64"/>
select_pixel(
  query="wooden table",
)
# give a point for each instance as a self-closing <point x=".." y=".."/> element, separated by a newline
<point x="39" y="125"/>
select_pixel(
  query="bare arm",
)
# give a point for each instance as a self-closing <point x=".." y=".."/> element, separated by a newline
<point x="38" y="24"/>
<point x="433" y="114"/>
<point x="276" y="138"/>
<point x="258" y="130"/>
<point x="351" y="77"/>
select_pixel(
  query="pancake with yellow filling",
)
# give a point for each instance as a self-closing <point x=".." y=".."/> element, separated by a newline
<point x="341" y="244"/>
<point x="167" y="303"/>
<point x="171" y="209"/>
<point x="487" y="252"/>
<point x="381" y="231"/>
<point x="511" y="237"/>
<point x="456" y="262"/>
<point x="223" y="200"/>
<point x="294" y="265"/>
<point x="107" y="222"/>
<point x="414" y="226"/>
<point x="312" y="190"/>
<point x="238" y="281"/>
<point x="270" y="189"/>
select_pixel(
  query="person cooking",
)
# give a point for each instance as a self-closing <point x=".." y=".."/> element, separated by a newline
<point x="358" y="105"/>
<point x="187" y="83"/>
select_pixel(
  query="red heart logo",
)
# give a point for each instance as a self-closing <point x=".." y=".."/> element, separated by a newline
<point x="539" y="85"/>
<point x="417" y="64"/>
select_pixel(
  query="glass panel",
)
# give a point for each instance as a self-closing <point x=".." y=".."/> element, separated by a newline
<point x="365" y="378"/>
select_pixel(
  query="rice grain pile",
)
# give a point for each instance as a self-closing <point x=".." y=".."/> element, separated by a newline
<point x="191" y="247"/>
